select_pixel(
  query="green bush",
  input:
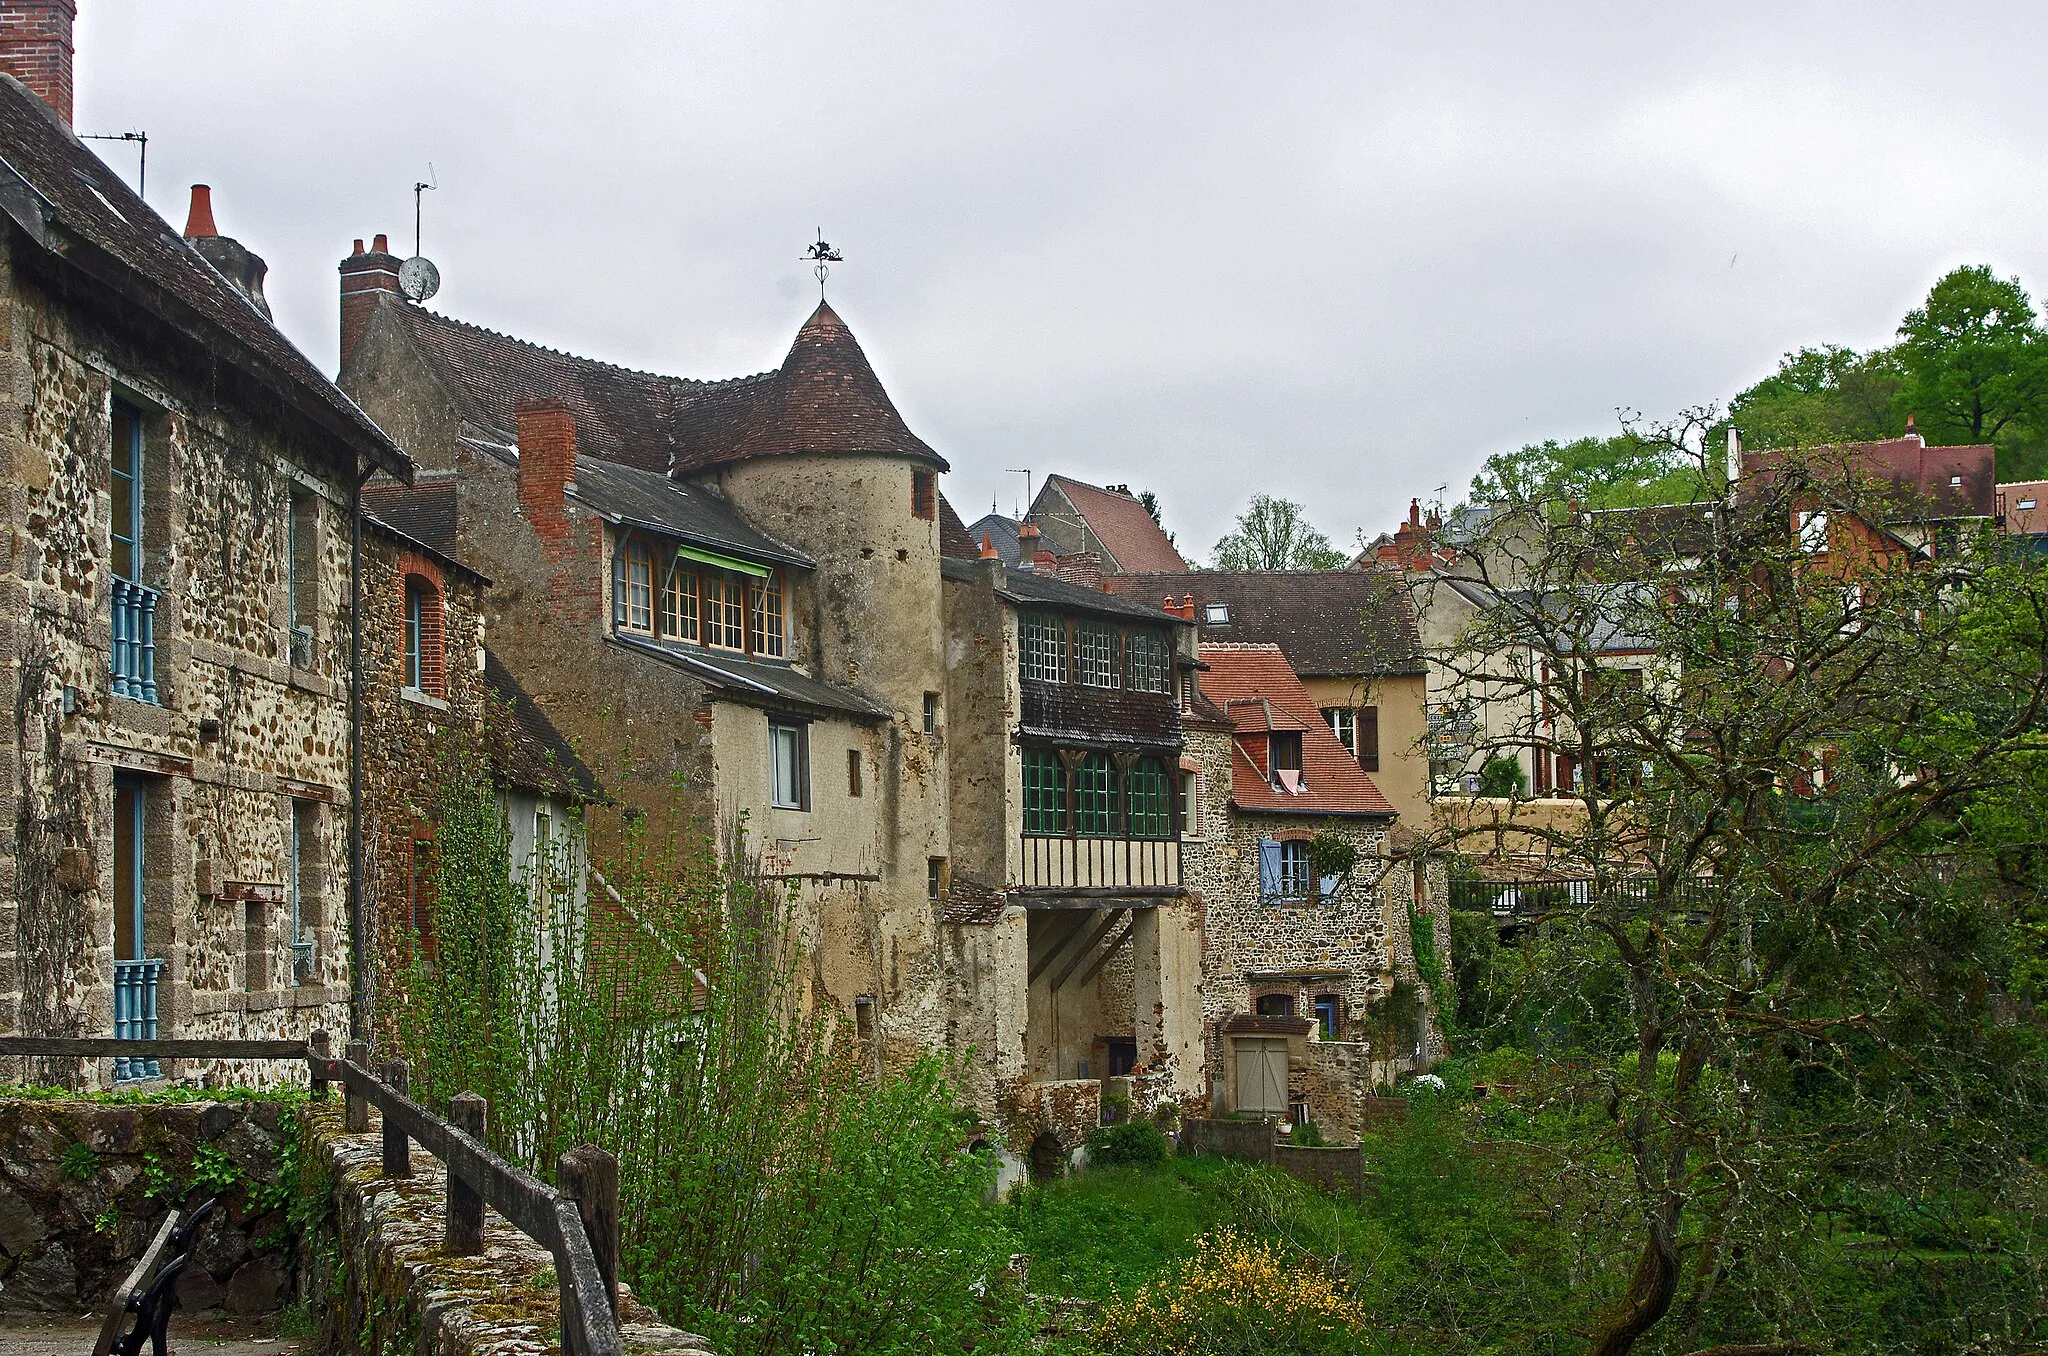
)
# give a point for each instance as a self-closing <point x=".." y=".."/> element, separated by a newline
<point x="1501" y="778"/>
<point x="1139" y="1143"/>
<point x="1307" y="1135"/>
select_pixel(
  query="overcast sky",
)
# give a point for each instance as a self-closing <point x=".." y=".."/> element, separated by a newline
<point x="1338" y="252"/>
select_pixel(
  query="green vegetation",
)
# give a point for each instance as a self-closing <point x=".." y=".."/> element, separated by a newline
<point x="80" y="1163"/>
<point x="1132" y="1142"/>
<point x="1275" y="534"/>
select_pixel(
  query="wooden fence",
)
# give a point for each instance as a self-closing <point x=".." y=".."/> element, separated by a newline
<point x="578" y="1224"/>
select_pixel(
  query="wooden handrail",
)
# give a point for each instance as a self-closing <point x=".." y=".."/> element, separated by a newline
<point x="590" y="1324"/>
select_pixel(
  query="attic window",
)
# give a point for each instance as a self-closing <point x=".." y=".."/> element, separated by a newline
<point x="1955" y="482"/>
<point x="1217" y="614"/>
<point x="924" y="494"/>
<point x="2026" y="504"/>
<point x="1284" y="756"/>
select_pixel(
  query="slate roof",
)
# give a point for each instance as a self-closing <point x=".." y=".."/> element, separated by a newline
<point x="1330" y="623"/>
<point x="2025" y="521"/>
<point x="423" y="511"/>
<point x="753" y="683"/>
<point x="1026" y="589"/>
<point x="1132" y="543"/>
<point x="525" y="748"/>
<point x="382" y="527"/>
<point x="1001" y="530"/>
<point x="70" y="204"/>
<point x="824" y="399"/>
<point x="640" y="498"/>
<point x="1254" y="684"/>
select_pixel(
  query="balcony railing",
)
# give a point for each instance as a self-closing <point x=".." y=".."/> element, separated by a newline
<point x="134" y="659"/>
<point x="135" y="1013"/>
<point x="1100" y="863"/>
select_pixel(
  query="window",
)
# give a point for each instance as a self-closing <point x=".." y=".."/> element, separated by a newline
<point x="1813" y="533"/>
<point x="924" y="495"/>
<point x="302" y="565"/>
<point x="421" y="636"/>
<point x="725" y="610"/>
<point x="1368" y="749"/>
<point x="765" y="618"/>
<point x="679" y="603"/>
<point x="128" y="482"/>
<point x="1329" y="1011"/>
<point x="1283" y="869"/>
<point x="1217" y="614"/>
<point x="934" y="877"/>
<point x="789" y="766"/>
<point x="1045" y="792"/>
<point x="2026" y="504"/>
<point x="1344" y="724"/>
<point x="1122" y="1055"/>
<point x="1283" y="754"/>
<point x="1095" y="654"/>
<point x="864" y="1016"/>
<point x="305" y="849"/>
<point x="853" y="773"/>
<point x="1148" y="810"/>
<point x="639" y="588"/>
<point x="1042" y="642"/>
<point x="1191" y="804"/>
<point x="1095" y="796"/>
<point x="415" y="625"/>
<point x="1274" y="1005"/>
<point x="1147" y="658"/>
<point x="135" y="972"/>
<point x="931" y="713"/>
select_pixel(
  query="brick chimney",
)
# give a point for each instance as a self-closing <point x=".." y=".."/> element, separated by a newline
<point x="547" y="461"/>
<point x="1027" y="549"/>
<point x="236" y="262"/>
<point x="35" y="48"/>
<point x="366" y="277"/>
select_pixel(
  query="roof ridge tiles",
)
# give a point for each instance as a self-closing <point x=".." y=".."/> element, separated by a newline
<point x="446" y="319"/>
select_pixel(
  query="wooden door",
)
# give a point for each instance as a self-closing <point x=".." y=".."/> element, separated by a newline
<point x="1262" y="1074"/>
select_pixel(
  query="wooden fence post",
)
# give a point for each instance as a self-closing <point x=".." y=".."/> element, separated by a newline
<point x="397" y="1145"/>
<point x="322" y="1046"/>
<point x="589" y="1176"/>
<point x="469" y="1114"/>
<point x="357" y="1119"/>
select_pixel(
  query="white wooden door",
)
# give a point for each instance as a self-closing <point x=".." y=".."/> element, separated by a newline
<point x="1262" y="1074"/>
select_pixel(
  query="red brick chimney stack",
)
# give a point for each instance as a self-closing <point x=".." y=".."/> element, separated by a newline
<point x="35" y="48"/>
<point x="199" y="219"/>
<point x="547" y="461"/>
<point x="366" y="277"/>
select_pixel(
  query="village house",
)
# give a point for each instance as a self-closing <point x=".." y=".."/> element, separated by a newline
<point x="175" y="612"/>
<point x="1310" y="992"/>
<point x="1089" y="531"/>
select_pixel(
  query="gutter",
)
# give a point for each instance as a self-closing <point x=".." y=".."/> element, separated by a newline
<point x="361" y="988"/>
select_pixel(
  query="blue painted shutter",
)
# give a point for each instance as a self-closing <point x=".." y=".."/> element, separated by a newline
<point x="1269" y="868"/>
<point x="618" y="584"/>
<point x="1327" y="886"/>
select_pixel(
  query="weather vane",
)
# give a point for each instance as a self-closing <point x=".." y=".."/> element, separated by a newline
<point x="821" y="257"/>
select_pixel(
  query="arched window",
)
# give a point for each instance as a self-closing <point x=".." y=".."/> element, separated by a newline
<point x="422" y="636"/>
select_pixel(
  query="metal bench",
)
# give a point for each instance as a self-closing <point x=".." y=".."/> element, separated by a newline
<point x="151" y="1289"/>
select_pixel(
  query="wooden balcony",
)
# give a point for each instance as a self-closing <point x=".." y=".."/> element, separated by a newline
<point x="1147" y="865"/>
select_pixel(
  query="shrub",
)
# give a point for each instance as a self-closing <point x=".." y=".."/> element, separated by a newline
<point x="1235" y="1295"/>
<point x="1501" y="778"/>
<point x="1135" y="1142"/>
<point x="1307" y="1135"/>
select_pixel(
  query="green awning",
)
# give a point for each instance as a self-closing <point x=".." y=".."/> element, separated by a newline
<point x="724" y="562"/>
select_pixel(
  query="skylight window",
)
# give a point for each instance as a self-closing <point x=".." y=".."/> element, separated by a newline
<point x="1217" y="614"/>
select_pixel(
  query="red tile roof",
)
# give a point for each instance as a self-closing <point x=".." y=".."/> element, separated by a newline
<point x="825" y="398"/>
<point x="954" y="538"/>
<point x="1256" y="686"/>
<point x="1132" y="541"/>
<point x="1933" y="482"/>
<point x="2015" y="496"/>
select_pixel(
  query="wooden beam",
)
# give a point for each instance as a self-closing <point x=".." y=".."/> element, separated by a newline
<point x="108" y="1047"/>
<point x="1051" y="957"/>
<point x="1102" y="958"/>
<point x="1096" y="934"/>
<point x="1054" y="935"/>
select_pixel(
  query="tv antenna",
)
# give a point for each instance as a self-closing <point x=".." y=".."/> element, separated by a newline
<point x="418" y="279"/>
<point x="821" y="256"/>
<point x="1024" y="471"/>
<point x="141" y="139"/>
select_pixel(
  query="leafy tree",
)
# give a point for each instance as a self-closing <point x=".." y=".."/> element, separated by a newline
<point x="1770" y="1020"/>
<point x="1821" y="395"/>
<point x="1975" y="360"/>
<point x="1617" y="472"/>
<point x="1275" y="534"/>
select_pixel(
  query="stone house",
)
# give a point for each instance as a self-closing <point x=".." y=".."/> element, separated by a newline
<point x="434" y="696"/>
<point x="1351" y="638"/>
<point x="1107" y="525"/>
<point x="1310" y="993"/>
<point x="174" y="612"/>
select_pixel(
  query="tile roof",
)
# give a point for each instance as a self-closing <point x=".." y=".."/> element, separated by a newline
<point x="1256" y="686"/>
<point x="630" y="495"/>
<point x="525" y="748"/>
<point x="1934" y="482"/>
<point x="2013" y="498"/>
<point x="1131" y="542"/>
<point x="424" y="511"/>
<point x="69" y="203"/>
<point x="1027" y="589"/>
<point x="824" y="399"/>
<point x="755" y="683"/>
<point x="1330" y="623"/>
<point x="954" y="538"/>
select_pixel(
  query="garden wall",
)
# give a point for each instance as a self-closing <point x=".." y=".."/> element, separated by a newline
<point x="1339" y="1170"/>
<point x="84" y="1186"/>
<point x="379" y="1281"/>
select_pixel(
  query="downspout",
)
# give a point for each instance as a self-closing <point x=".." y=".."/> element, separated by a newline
<point x="360" y="990"/>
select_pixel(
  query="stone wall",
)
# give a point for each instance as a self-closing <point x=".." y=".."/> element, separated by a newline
<point x="84" y="1187"/>
<point x="379" y="1281"/>
<point x="1339" y="1170"/>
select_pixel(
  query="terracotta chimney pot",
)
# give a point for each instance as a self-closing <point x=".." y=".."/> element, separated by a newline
<point x="199" y="219"/>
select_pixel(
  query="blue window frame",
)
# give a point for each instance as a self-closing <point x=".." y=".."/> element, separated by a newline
<point x="128" y="483"/>
<point x="135" y="972"/>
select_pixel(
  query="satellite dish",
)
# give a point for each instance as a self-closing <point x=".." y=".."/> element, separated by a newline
<point x="418" y="278"/>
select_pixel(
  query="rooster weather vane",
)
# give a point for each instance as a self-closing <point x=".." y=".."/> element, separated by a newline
<point x="821" y="257"/>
